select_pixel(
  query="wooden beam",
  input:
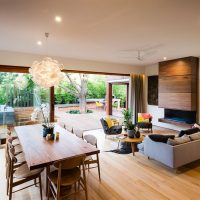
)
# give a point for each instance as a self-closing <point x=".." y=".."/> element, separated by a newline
<point x="14" y="69"/>
<point x="94" y="72"/>
<point x="109" y="99"/>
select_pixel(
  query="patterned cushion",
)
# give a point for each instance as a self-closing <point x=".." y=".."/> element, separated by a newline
<point x="178" y="140"/>
<point x="195" y="136"/>
<point x="144" y="117"/>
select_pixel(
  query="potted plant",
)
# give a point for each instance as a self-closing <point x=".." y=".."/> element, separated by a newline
<point x="127" y="118"/>
<point x="131" y="130"/>
<point x="129" y="126"/>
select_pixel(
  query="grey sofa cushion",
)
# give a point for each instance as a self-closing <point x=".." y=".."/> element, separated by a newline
<point x="178" y="140"/>
<point x="195" y="136"/>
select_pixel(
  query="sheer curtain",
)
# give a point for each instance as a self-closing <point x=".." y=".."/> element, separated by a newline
<point x="136" y="95"/>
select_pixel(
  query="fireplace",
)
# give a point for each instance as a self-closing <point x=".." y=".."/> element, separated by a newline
<point x="180" y="116"/>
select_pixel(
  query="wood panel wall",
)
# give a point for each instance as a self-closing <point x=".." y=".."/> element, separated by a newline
<point x="178" y="84"/>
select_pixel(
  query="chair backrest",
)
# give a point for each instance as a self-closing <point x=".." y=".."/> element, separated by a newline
<point x="90" y="139"/>
<point x="71" y="163"/>
<point x="69" y="128"/>
<point x="144" y="117"/>
<point x="78" y="132"/>
<point x="104" y="125"/>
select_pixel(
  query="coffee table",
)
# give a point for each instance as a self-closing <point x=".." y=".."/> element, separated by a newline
<point x="124" y="138"/>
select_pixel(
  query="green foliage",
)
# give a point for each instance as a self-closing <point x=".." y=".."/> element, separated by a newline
<point x="127" y="118"/>
<point x="119" y="91"/>
<point x="96" y="89"/>
<point x="89" y="111"/>
<point x="74" y="112"/>
<point x="62" y="96"/>
<point x="78" y="111"/>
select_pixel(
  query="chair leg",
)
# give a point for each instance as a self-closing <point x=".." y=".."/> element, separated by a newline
<point x="10" y="190"/>
<point x="35" y="180"/>
<point x="75" y="187"/>
<point x="88" y="167"/>
<point x="98" y="165"/>
<point x="7" y="185"/>
<point x="40" y="183"/>
<point x="48" y="190"/>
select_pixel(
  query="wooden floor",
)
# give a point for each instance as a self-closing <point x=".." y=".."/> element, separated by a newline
<point x="127" y="178"/>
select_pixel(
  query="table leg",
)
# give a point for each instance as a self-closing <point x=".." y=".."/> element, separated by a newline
<point x="133" y="148"/>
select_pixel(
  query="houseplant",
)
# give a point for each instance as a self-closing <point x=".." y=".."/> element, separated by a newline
<point x="129" y="126"/>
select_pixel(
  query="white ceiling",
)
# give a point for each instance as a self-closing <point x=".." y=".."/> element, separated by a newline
<point x="103" y="30"/>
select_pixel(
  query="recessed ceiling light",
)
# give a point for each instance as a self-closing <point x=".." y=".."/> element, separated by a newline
<point x="39" y="43"/>
<point x="164" y="58"/>
<point x="58" y="18"/>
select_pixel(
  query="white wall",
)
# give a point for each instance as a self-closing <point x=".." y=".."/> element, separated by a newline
<point x="155" y="111"/>
<point x="24" y="59"/>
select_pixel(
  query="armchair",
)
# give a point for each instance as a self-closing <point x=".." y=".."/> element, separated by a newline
<point x="113" y="130"/>
<point x="144" y="121"/>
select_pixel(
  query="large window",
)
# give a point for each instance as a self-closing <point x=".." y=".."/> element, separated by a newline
<point x="19" y="99"/>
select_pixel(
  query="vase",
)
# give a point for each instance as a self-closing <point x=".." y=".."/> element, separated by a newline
<point x="131" y="133"/>
<point x="137" y="135"/>
<point x="47" y="131"/>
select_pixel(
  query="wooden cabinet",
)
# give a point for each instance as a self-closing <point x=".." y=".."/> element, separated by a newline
<point x="178" y="84"/>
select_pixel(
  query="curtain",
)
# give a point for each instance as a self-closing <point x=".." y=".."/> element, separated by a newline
<point x="136" y="95"/>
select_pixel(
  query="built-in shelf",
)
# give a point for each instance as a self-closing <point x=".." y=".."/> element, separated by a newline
<point x="177" y="123"/>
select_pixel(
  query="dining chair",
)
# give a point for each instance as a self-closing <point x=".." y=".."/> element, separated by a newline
<point x="68" y="173"/>
<point x="20" y="174"/>
<point x="78" y="132"/>
<point x="69" y="128"/>
<point x="91" y="139"/>
<point x="19" y="158"/>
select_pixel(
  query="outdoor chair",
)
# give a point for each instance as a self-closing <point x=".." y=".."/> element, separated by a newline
<point x="113" y="130"/>
<point x="91" y="139"/>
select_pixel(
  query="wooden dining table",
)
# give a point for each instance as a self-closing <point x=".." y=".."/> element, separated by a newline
<point x="40" y="152"/>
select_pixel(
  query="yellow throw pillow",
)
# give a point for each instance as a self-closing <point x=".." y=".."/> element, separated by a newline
<point x="109" y="122"/>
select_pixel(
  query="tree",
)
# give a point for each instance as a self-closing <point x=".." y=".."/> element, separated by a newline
<point x="79" y="89"/>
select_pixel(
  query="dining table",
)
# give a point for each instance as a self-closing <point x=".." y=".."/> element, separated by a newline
<point x="40" y="152"/>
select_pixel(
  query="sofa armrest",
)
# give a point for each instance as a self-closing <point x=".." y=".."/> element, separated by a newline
<point x="159" y="151"/>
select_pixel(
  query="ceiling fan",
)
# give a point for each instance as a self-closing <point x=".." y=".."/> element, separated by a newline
<point x="140" y="54"/>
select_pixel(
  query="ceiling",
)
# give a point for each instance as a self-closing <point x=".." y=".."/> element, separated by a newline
<point x="103" y="30"/>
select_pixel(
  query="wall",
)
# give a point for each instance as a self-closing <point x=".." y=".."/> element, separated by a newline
<point x="24" y="59"/>
<point x="155" y="111"/>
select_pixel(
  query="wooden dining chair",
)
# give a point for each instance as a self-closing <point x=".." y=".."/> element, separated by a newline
<point x="91" y="139"/>
<point x="19" y="161"/>
<point x="68" y="173"/>
<point x="20" y="174"/>
<point x="78" y="132"/>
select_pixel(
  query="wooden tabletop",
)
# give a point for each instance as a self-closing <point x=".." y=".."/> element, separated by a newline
<point x="128" y="139"/>
<point x="40" y="152"/>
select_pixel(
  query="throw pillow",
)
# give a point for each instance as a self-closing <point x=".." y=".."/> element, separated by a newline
<point x="161" y="138"/>
<point x="109" y="122"/>
<point x="188" y="131"/>
<point x="178" y="140"/>
<point x="195" y="136"/>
